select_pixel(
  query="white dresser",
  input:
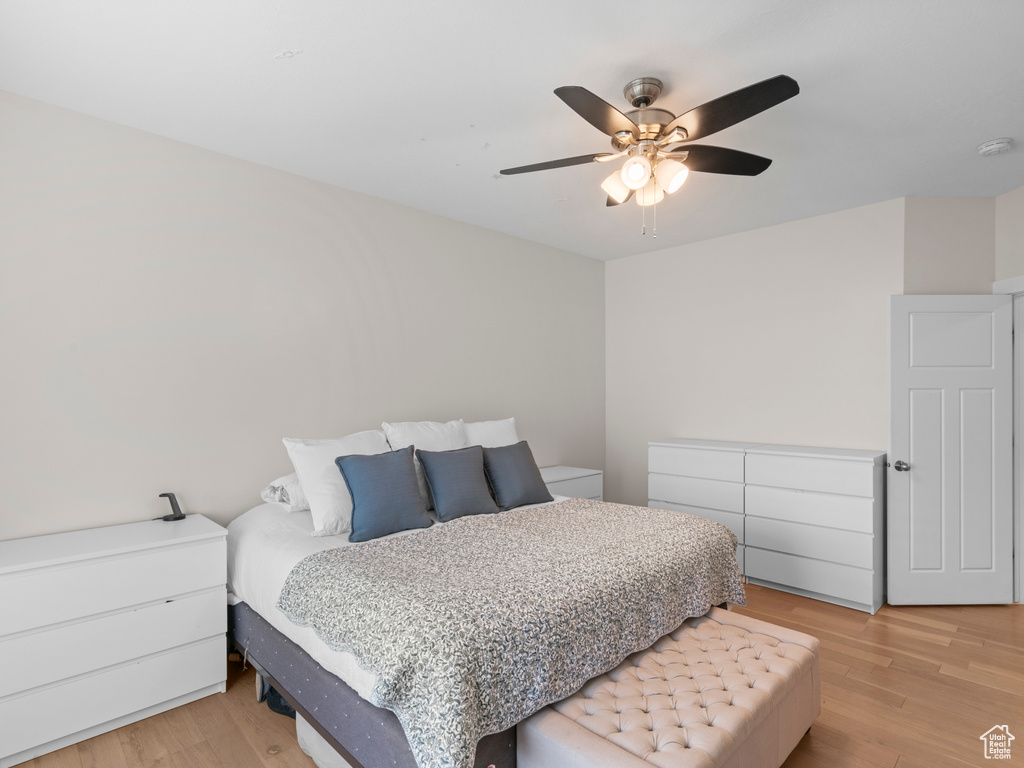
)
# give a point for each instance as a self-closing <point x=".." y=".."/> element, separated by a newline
<point x="103" y="627"/>
<point x="574" y="481"/>
<point x="701" y="477"/>
<point x="810" y="520"/>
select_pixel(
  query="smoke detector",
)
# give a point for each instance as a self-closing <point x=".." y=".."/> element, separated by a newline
<point x="995" y="147"/>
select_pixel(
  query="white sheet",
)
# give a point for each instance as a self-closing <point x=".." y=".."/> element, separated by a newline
<point x="264" y="544"/>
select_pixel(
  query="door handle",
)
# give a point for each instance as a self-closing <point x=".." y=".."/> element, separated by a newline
<point x="901" y="466"/>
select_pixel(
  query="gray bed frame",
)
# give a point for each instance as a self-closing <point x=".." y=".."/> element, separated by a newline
<point x="363" y="734"/>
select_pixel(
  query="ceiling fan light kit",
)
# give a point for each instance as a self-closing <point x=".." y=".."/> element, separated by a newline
<point x="655" y="142"/>
<point x="671" y="174"/>
<point x="615" y="188"/>
<point x="650" y="194"/>
<point x="636" y="171"/>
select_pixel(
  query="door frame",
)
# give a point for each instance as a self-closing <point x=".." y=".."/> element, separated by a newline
<point x="1014" y="286"/>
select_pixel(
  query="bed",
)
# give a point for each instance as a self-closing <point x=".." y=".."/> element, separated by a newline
<point x="434" y="597"/>
<point x="334" y="692"/>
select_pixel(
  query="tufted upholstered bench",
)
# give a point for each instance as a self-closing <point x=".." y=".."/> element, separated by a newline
<point x="720" y="691"/>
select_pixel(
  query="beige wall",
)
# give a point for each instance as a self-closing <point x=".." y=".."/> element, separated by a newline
<point x="167" y="314"/>
<point x="949" y="245"/>
<point x="1009" y="234"/>
<point x="776" y="335"/>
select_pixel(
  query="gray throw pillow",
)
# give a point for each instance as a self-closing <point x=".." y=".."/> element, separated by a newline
<point x="385" y="494"/>
<point x="457" y="482"/>
<point x="514" y="476"/>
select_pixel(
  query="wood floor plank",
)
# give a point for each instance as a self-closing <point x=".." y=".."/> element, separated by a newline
<point x="274" y="741"/>
<point x="103" y="751"/>
<point x="849" y="749"/>
<point x="890" y="613"/>
<point x="67" y="757"/>
<point x="952" y="614"/>
<point x="963" y="653"/>
<point x="199" y="755"/>
<point x="885" y="732"/>
<point x="177" y="729"/>
<point x="224" y="736"/>
<point x="953" y="694"/>
<point x="856" y="658"/>
<point x="838" y="618"/>
<point x="858" y="694"/>
<point x="893" y="622"/>
<point x="917" y="761"/>
<point x="833" y="670"/>
<point x="141" y="743"/>
<point x="915" y="664"/>
<point x="966" y="722"/>
<point x="990" y="677"/>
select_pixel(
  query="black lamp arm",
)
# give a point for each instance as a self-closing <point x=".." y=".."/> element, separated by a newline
<point x="175" y="509"/>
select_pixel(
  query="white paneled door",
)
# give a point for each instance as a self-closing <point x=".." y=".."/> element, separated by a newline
<point x="950" y="479"/>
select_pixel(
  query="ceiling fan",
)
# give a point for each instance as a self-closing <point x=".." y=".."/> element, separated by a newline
<point x="654" y="141"/>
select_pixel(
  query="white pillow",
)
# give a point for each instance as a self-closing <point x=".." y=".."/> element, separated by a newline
<point x="427" y="436"/>
<point x="491" y="434"/>
<point x="322" y="481"/>
<point x="288" y="491"/>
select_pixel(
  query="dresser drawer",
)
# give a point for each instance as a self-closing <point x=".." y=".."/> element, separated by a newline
<point x="589" y="487"/>
<point x="845" y="547"/>
<point x="731" y="520"/>
<point x="85" y="702"/>
<point x="695" y="492"/>
<point x="818" y="576"/>
<point x="31" y="660"/>
<point x="853" y="478"/>
<point x="696" y="462"/>
<point x="850" y="513"/>
<point x="30" y="599"/>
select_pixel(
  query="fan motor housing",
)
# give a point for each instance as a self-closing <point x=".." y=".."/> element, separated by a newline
<point x="650" y="121"/>
<point x="643" y="91"/>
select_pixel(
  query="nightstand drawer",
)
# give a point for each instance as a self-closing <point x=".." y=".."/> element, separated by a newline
<point x="711" y="494"/>
<point x="576" y="482"/>
<point x="696" y="462"/>
<point x="34" y="598"/>
<point x="92" y="644"/>
<point x="589" y="487"/>
<point x="85" y="702"/>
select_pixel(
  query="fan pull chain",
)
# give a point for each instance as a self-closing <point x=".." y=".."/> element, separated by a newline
<point x="643" y="216"/>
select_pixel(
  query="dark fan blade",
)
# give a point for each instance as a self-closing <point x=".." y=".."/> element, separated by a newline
<point x="578" y="160"/>
<point x="612" y="201"/>
<point x="596" y="111"/>
<point x="718" y="114"/>
<point x="721" y="160"/>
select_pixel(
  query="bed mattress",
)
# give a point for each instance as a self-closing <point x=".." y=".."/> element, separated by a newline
<point x="264" y="545"/>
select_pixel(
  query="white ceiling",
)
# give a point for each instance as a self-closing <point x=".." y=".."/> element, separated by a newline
<point x="423" y="103"/>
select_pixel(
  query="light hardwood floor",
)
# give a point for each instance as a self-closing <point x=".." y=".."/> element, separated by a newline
<point x="911" y="687"/>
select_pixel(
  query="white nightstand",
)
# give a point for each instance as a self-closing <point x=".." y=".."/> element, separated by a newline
<point x="103" y="627"/>
<point x="574" y="481"/>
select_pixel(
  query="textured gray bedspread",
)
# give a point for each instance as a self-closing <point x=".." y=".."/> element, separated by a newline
<point x="471" y="626"/>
